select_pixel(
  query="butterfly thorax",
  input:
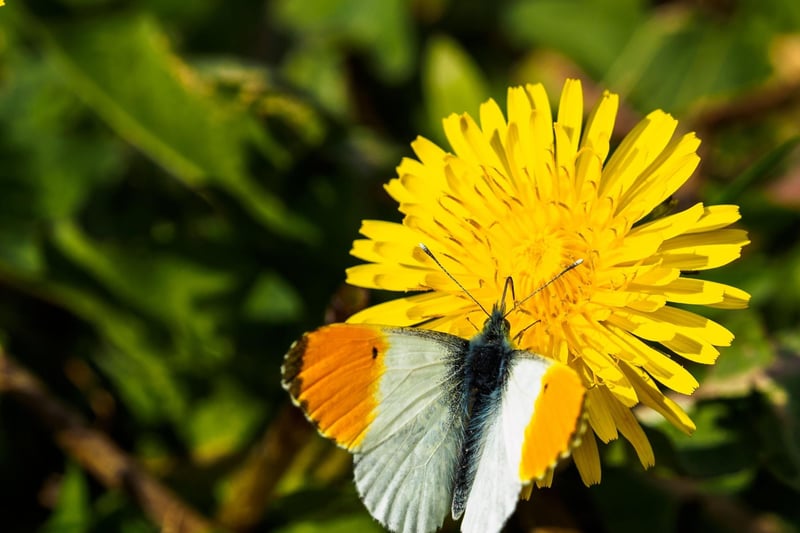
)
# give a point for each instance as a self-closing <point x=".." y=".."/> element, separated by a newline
<point x="486" y="364"/>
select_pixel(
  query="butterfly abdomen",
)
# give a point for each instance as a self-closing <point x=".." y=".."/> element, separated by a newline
<point x="485" y="373"/>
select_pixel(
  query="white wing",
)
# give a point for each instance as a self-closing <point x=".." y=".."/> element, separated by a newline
<point x="405" y="465"/>
<point x="537" y="423"/>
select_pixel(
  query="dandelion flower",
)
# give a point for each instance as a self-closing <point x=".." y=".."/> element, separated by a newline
<point x="524" y="196"/>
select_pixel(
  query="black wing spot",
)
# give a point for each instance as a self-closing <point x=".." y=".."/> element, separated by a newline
<point x="374" y="352"/>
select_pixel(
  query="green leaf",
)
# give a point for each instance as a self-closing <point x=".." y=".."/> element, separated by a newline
<point x="199" y="139"/>
<point x="706" y="59"/>
<point x="382" y="30"/>
<point x="72" y="513"/>
<point x="47" y="173"/>
<point x="223" y="423"/>
<point x="20" y="250"/>
<point x="143" y="379"/>
<point x="625" y="502"/>
<point x="451" y="82"/>
<point x="321" y="511"/>
<point x="321" y="71"/>
<point x="759" y="173"/>
<point x="591" y="32"/>
<point x="618" y="41"/>
<point x="139" y="367"/>
<point x="780" y="429"/>
<point x="272" y="299"/>
<point x="738" y="366"/>
<point x="163" y="286"/>
<point x="55" y="171"/>
<point x="716" y="448"/>
<point x="114" y="511"/>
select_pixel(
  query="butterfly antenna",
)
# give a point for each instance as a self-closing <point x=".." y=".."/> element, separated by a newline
<point x="509" y="284"/>
<point x="449" y="275"/>
<point x="540" y="289"/>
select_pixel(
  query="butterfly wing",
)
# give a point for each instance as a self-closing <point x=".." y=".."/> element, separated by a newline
<point x="536" y="424"/>
<point x="385" y="394"/>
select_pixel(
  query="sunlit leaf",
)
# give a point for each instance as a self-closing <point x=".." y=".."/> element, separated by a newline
<point x="195" y="137"/>
<point x="451" y="81"/>
<point x="220" y="424"/>
<point x="73" y="512"/>
<point x="593" y="33"/>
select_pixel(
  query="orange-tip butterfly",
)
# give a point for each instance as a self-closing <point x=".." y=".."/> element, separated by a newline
<point x="437" y="424"/>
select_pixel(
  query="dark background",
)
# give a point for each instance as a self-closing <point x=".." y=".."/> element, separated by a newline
<point x="180" y="183"/>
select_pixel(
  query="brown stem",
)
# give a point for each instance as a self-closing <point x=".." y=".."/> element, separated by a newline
<point x="253" y="483"/>
<point x="97" y="453"/>
<point x="749" y="107"/>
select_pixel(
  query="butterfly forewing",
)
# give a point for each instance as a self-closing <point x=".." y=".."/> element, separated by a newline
<point x="392" y="394"/>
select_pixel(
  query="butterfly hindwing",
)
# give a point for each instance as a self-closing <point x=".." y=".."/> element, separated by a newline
<point x="386" y="394"/>
<point x="532" y="427"/>
<point x="557" y="423"/>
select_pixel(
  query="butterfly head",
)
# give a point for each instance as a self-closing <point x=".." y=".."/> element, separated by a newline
<point x="496" y="328"/>
<point x="496" y="324"/>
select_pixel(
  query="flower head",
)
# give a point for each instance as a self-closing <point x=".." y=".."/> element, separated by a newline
<point x="524" y="197"/>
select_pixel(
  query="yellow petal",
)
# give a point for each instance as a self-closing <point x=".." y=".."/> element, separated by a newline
<point x="686" y="291"/>
<point x="428" y="152"/>
<point x="657" y="364"/>
<point x="636" y="152"/>
<point x="599" y="410"/>
<point x="653" y="398"/>
<point x="587" y="459"/>
<point x="600" y="125"/>
<point x="565" y="158"/>
<point x="732" y="299"/>
<point x="622" y="418"/>
<point x="547" y="480"/>
<point x="540" y="103"/>
<point x="705" y="258"/>
<point x="693" y="349"/>
<point x="696" y="242"/>
<point x="661" y="178"/>
<point x="388" y="231"/>
<point x="716" y="217"/>
<point x="694" y="325"/>
<point x="633" y="432"/>
<point x="634" y="299"/>
<point x="570" y="114"/>
<point x="387" y="251"/>
<point x="493" y="123"/>
<point x="394" y="312"/>
<point x="467" y="140"/>
<point x="390" y="277"/>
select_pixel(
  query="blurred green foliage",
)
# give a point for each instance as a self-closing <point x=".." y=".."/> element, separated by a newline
<point x="180" y="183"/>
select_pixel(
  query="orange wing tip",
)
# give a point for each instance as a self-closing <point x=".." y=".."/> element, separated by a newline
<point x="333" y="375"/>
<point x="557" y="425"/>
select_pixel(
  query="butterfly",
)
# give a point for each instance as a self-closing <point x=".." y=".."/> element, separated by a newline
<point x="437" y="423"/>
